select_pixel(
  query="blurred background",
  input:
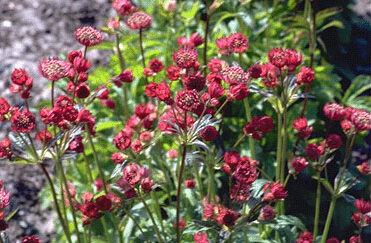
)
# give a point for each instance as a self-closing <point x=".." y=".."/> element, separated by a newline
<point x="33" y="29"/>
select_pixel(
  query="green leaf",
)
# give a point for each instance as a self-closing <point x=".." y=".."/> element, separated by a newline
<point x="104" y="45"/>
<point x="361" y="103"/>
<point x="334" y="23"/>
<point x="322" y="15"/>
<point x="191" y="13"/>
<point x="108" y="125"/>
<point x="359" y="85"/>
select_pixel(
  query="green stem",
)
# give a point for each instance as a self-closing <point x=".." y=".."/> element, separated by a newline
<point x="105" y="228"/>
<point x="207" y="24"/>
<point x="221" y="107"/>
<point x="157" y="209"/>
<point x="152" y="219"/>
<point x="1" y="238"/>
<point x="328" y="219"/>
<point x="318" y="204"/>
<point x="134" y="220"/>
<point x="249" y="118"/>
<point x="55" y="200"/>
<point x="284" y="145"/>
<point x="239" y="141"/>
<point x="87" y="165"/>
<point x="122" y="67"/>
<point x="279" y="145"/>
<point x="180" y="177"/>
<point x="198" y="179"/>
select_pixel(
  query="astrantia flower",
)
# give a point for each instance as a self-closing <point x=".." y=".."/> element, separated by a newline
<point x="31" y="239"/>
<point x="267" y="213"/>
<point x="274" y="192"/>
<point x="226" y="217"/>
<point x="181" y="224"/>
<point x="313" y="151"/>
<point x="333" y="141"/>
<point x="53" y="69"/>
<point x="216" y="90"/>
<point x="215" y="65"/>
<point x="196" y="39"/>
<point x="156" y="65"/>
<point x="123" y="7"/>
<point x="223" y="45"/>
<point x="209" y="133"/>
<point x="306" y="75"/>
<point x="238" y="43"/>
<point x="122" y="140"/>
<point x="362" y="206"/>
<point x="139" y="20"/>
<point x="277" y="57"/>
<point x="163" y="92"/>
<point x="188" y="100"/>
<point x="200" y="237"/>
<point x="173" y="73"/>
<point x="19" y="76"/>
<point x="191" y="183"/>
<point x="194" y="81"/>
<point x="292" y="59"/>
<point x="235" y="75"/>
<point x="364" y="168"/>
<point x="88" y="36"/>
<point x="4" y="106"/>
<point x="255" y="70"/>
<point x="245" y="173"/>
<point x="270" y="73"/>
<point x="185" y="57"/>
<point x="132" y="174"/>
<point x="147" y="184"/>
<point x="361" y="120"/>
<point x="300" y="123"/>
<point x="240" y="192"/>
<point x="299" y="164"/>
<point x="4" y="198"/>
<point x="332" y="240"/>
<point x="22" y="121"/>
<point x="237" y="92"/>
<point x="334" y="111"/>
<point x="305" y="237"/>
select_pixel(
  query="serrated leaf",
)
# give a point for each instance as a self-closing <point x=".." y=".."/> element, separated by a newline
<point x="334" y="23"/>
<point x="322" y="15"/>
<point x="359" y="85"/>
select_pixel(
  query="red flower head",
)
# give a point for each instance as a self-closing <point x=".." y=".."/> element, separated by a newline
<point x="293" y="59"/>
<point x="185" y="57"/>
<point x="31" y="239"/>
<point x="223" y="45"/>
<point x="209" y="133"/>
<point x="172" y="153"/>
<point x="362" y="206"/>
<point x="299" y="164"/>
<point x="132" y="174"/>
<point x="3" y="225"/>
<point x="122" y="140"/>
<point x="147" y="184"/>
<point x="208" y="209"/>
<point x="306" y="75"/>
<point x="130" y="193"/>
<point x="196" y="39"/>
<point x="88" y="36"/>
<point x="306" y="132"/>
<point x="136" y="146"/>
<point x="237" y="92"/>
<point x="63" y="102"/>
<point x="258" y="126"/>
<point x="237" y="43"/>
<point x="126" y="76"/>
<point x="182" y="224"/>
<point x="22" y="121"/>
<point x="313" y="151"/>
<point x="72" y="55"/>
<point x="4" y="106"/>
<point x="364" y="168"/>
<point x="188" y="100"/>
<point x="270" y="74"/>
<point x="173" y="73"/>
<point x="332" y="240"/>
<point x="163" y="92"/>
<point x="265" y="124"/>
<point x="194" y="81"/>
<point x="151" y="88"/>
<point x="76" y="145"/>
<point x="4" y="198"/>
<point x="104" y="203"/>
<point x="81" y="64"/>
<point x="118" y="158"/>
<point x="300" y="123"/>
<point x="215" y="65"/>
<point x="274" y="192"/>
<point x="19" y="76"/>
<point x="305" y="237"/>
<point x="235" y="75"/>
<point x="240" y="192"/>
<point x="156" y="65"/>
<point x="191" y="183"/>
<point x="82" y="91"/>
<point x="355" y="239"/>
<point x="333" y="141"/>
<point x="255" y="70"/>
<point x="245" y="173"/>
<point x="361" y="120"/>
<point x="232" y="158"/>
<point x="334" y="111"/>
<point x="141" y="111"/>
<point x="226" y="217"/>
<point x="267" y="213"/>
<point x="54" y="69"/>
<point x="91" y="210"/>
<point x="277" y="57"/>
<point x="139" y="20"/>
<point x="5" y="151"/>
<point x="200" y="238"/>
<point x="123" y="7"/>
<point x="216" y="90"/>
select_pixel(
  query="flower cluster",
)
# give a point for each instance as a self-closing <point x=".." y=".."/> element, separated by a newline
<point x="235" y="43"/>
<point x="301" y="125"/>
<point x="4" y="202"/>
<point x="21" y="83"/>
<point x="362" y="217"/>
<point x="219" y="213"/>
<point x="258" y="127"/>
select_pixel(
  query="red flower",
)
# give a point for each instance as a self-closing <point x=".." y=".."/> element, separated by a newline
<point x="364" y="168"/>
<point x="88" y="36"/>
<point x="208" y="209"/>
<point x="223" y="45"/>
<point x="104" y="203"/>
<point x="267" y="213"/>
<point x="216" y="90"/>
<point x="215" y="65"/>
<point x="123" y="7"/>
<point x="292" y="59"/>
<point x="139" y="20"/>
<point x="355" y="239"/>
<point x="190" y="183"/>
<point x="226" y="217"/>
<point x="188" y="100"/>
<point x="232" y="158"/>
<point x="255" y="70"/>
<point x="81" y="64"/>
<point x="306" y="75"/>
<point x="4" y="106"/>
<point x="258" y="126"/>
<point x="299" y="164"/>
<point x="90" y="209"/>
<point x="147" y="72"/>
<point x="4" y="198"/>
<point x="185" y="57"/>
<point x="274" y="192"/>
<point x="333" y="141"/>
<point x="357" y="218"/>
<point x="77" y="145"/>
<point x="173" y="73"/>
<point x="235" y="75"/>
<point x="146" y="184"/>
<point x="3" y="225"/>
<point x="126" y="76"/>
<point x="19" y="76"/>
<point x="130" y="193"/>
<point x="194" y="81"/>
<point x="306" y="132"/>
<point x="72" y="55"/>
<point x="150" y="89"/>
<point x="305" y="237"/>
<point x="163" y="91"/>
<point x="31" y="239"/>
<point x="132" y="174"/>
<point x="334" y="111"/>
<point x="237" y="43"/>
<point x="240" y="192"/>
<point x="332" y="240"/>
<point x="156" y="65"/>
<point x="237" y="92"/>
<point x="63" y="101"/>
<point x="182" y="224"/>
<point x="245" y="173"/>
<point x="136" y="146"/>
<point x="53" y="69"/>
<point x="361" y="120"/>
<point x="196" y="39"/>
<point x="200" y="238"/>
<point x="22" y="121"/>
<point x="209" y="133"/>
<point x="313" y="151"/>
<point x="82" y="91"/>
<point x="362" y="206"/>
<point x="265" y="124"/>
<point x="277" y="57"/>
<point x="118" y="158"/>
<point x="300" y="123"/>
<point x="122" y="140"/>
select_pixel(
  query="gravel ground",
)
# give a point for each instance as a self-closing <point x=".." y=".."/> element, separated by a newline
<point x="29" y="31"/>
